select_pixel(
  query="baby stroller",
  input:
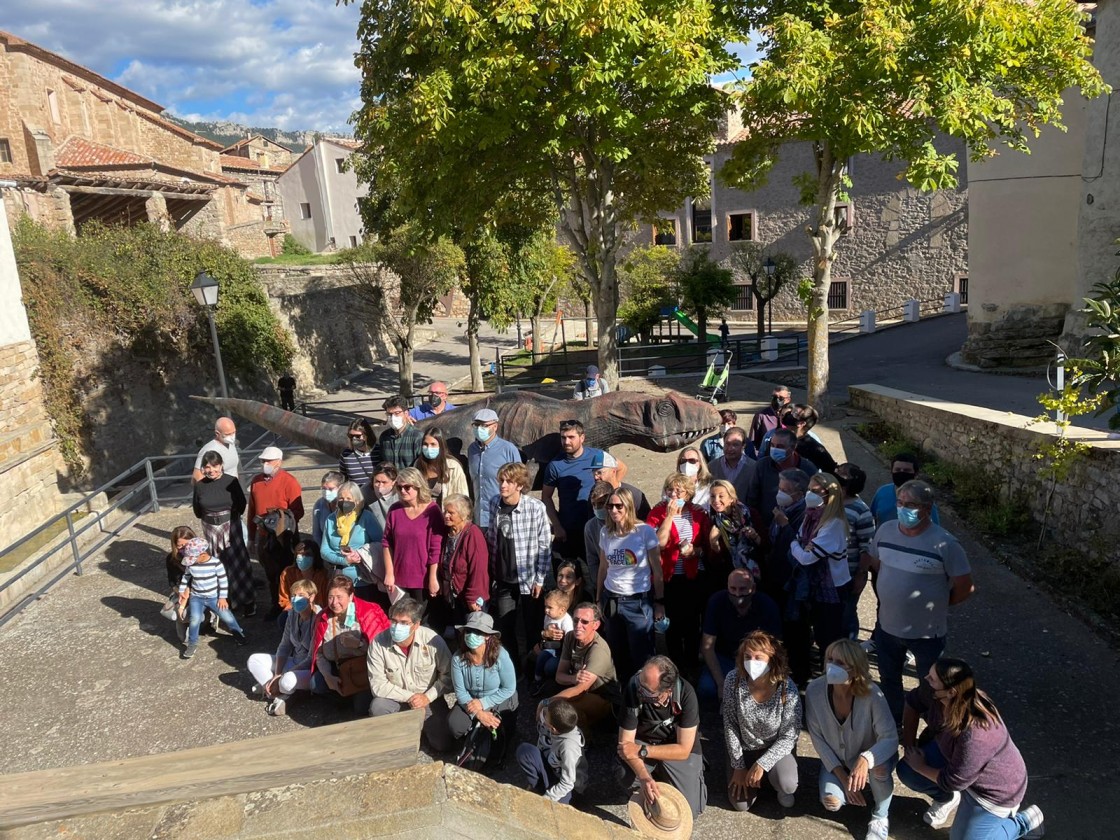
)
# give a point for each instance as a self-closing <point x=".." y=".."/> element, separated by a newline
<point x="713" y="387"/>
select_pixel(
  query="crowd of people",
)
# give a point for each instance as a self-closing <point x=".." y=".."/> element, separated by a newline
<point x="427" y="583"/>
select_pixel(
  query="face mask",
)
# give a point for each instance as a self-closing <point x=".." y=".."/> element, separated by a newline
<point x="229" y="440"/>
<point x="813" y="500"/>
<point x="268" y="469"/>
<point x="601" y="514"/>
<point x="303" y="562"/>
<point x="435" y="400"/>
<point x="330" y="495"/>
<point x="590" y="383"/>
<point x="744" y="601"/>
<point x="482" y="433"/>
<point x="835" y="675"/>
<point x="300" y="603"/>
<point x="783" y="499"/>
<point x="756" y="669"/>
<point x="430" y="452"/>
<point x="396" y="421"/>
<point x="400" y="632"/>
<point x="900" y="478"/>
<point x="357" y="444"/>
<point x="347" y="507"/>
<point x="725" y="428"/>
<point x="688" y="469"/>
<point x="776" y="403"/>
<point x="661" y="625"/>
<point x="778" y="455"/>
<point x="474" y="641"/>
<point x="909" y="517"/>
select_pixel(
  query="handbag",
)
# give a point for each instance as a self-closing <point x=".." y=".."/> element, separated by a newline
<point x="353" y="676"/>
<point x="475" y="752"/>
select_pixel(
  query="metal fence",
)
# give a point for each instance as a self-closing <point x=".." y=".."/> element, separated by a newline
<point x="746" y="353"/>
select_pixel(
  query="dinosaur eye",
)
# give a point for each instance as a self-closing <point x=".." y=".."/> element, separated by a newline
<point x="665" y="408"/>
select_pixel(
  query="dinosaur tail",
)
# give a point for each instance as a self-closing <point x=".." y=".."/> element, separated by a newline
<point x="328" y="438"/>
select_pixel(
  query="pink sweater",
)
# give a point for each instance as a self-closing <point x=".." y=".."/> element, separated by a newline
<point x="414" y="543"/>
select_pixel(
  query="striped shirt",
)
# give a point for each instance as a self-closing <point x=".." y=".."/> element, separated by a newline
<point x="356" y="466"/>
<point x="861" y="528"/>
<point x="206" y="580"/>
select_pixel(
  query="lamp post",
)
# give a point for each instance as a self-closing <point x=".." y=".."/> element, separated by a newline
<point x="205" y="290"/>
<point x="769" y="268"/>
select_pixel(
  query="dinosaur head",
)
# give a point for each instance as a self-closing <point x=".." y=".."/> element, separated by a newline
<point x="662" y="423"/>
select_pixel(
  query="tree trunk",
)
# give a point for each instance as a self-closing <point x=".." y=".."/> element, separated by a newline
<point x="538" y="339"/>
<point x="823" y="235"/>
<point x="606" y="310"/>
<point x="760" y="308"/>
<point x="405" y="350"/>
<point x="472" y="345"/>
<point x="588" y="323"/>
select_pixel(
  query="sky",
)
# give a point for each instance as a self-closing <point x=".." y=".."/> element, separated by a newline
<point x="263" y="63"/>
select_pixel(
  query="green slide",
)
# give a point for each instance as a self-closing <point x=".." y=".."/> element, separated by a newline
<point x="690" y="325"/>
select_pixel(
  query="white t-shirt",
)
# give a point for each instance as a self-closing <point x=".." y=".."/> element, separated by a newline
<point x="627" y="559"/>
<point x="564" y="622"/>
<point x="230" y="459"/>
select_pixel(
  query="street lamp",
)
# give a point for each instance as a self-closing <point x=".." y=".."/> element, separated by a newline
<point x="205" y="290"/>
<point x="770" y="268"/>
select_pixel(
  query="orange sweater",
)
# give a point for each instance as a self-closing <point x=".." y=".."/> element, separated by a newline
<point x="291" y="574"/>
<point x="278" y="491"/>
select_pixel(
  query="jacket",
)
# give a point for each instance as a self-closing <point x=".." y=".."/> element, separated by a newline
<point x="295" y="643"/>
<point x="426" y="670"/>
<point x="331" y="547"/>
<point x="371" y="618"/>
<point x="468" y="572"/>
<point x="564" y="754"/>
<point x="869" y="730"/>
<point x="280" y="491"/>
<point x="701" y="531"/>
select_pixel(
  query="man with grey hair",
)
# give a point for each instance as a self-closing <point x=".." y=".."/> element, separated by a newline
<point x="762" y="493"/>
<point x="225" y="444"/>
<point x="586" y="675"/>
<point x="410" y="668"/>
<point x="735" y="466"/>
<point x="923" y="571"/>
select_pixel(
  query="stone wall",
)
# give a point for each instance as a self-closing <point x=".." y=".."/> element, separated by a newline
<point x="1083" y="508"/>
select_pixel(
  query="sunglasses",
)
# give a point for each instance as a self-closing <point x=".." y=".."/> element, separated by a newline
<point x="357" y="437"/>
<point x="618" y="506"/>
<point x="584" y="621"/>
<point x="408" y="487"/>
<point x="690" y="460"/>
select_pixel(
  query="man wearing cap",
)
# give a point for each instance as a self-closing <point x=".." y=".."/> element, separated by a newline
<point x="274" y="489"/>
<point x="592" y="385"/>
<point x="604" y="467"/>
<point x="225" y="444"/>
<point x="658" y="734"/>
<point x="485" y="456"/>
<point x="435" y="406"/>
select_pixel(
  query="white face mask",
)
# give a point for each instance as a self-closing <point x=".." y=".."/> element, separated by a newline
<point x="835" y="675"/>
<point x="229" y="440"/>
<point x="688" y="469"/>
<point x="755" y="668"/>
<point x="725" y="428"/>
<point x="813" y="500"/>
<point x="268" y="469"/>
<point x="783" y="499"/>
<point x="396" y="421"/>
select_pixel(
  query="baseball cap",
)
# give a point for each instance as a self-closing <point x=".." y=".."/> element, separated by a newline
<point x="271" y="453"/>
<point x="592" y="370"/>
<point x="604" y="460"/>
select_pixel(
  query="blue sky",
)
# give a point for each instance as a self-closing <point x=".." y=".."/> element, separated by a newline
<point x="284" y="63"/>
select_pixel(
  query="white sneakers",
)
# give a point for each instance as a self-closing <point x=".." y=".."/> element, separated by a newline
<point x="878" y="829"/>
<point x="1033" y="817"/>
<point x="938" y="813"/>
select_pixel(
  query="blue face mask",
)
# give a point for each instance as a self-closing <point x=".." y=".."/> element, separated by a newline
<point x="777" y="455"/>
<point x="330" y="495"/>
<point x="590" y="383"/>
<point x="661" y="625"/>
<point x="601" y="514"/>
<point x="482" y="433"/>
<point x="303" y="562"/>
<point x="430" y="452"/>
<point x="399" y="632"/>
<point x="474" y="641"/>
<point x="300" y="603"/>
<point x="909" y="517"/>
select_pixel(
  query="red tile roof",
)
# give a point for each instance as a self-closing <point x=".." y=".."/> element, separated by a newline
<point x="77" y="153"/>
<point x="237" y="162"/>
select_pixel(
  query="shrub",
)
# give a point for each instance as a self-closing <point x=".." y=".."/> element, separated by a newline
<point x="292" y="247"/>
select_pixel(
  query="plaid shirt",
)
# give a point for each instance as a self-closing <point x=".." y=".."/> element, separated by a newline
<point x="532" y="540"/>
<point x="398" y="448"/>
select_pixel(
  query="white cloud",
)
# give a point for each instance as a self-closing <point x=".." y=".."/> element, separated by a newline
<point x="287" y="63"/>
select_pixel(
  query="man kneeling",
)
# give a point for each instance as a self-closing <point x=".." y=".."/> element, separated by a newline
<point x="410" y="668"/>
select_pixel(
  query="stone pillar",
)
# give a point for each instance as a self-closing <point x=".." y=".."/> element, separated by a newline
<point x="156" y="208"/>
<point x="30" y="464"/>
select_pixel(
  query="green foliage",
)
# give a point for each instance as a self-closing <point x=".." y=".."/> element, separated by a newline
<point x="751" y="260"/>
<point x="133" y="284"/>
<point x="646" y="278"/>
<point x="705" y="287"/>
<point x="1099" y="369"/>
<point x="292" y="247"/>
<point x="541" y="268"/>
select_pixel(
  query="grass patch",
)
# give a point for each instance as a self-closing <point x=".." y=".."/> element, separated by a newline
<point x="33" y="547"/>
<point x="299" y="259"/>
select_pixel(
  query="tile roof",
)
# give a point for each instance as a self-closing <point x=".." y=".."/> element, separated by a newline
<point x="238" y="162"/>
<point x="78" y="153"/>
<point x="345" y="142"/>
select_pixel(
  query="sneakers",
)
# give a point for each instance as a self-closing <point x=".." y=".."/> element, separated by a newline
<point x="868" y="646"/>
<point x="938" y="813"/>
<point x="786" y="800"/>
<point x="878" y="829"/>
<point x="912" y="660"/>
<point x="250" y="611"/>
<point x="1032" y="819"/>
<point x="189" y="651"/>
<point x="239" y="637"/>
<point x="277" y="707"/>
<point x="537" y="688"/>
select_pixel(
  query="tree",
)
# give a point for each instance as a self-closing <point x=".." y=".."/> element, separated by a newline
<point x="890" y="78"/>
<point x="704" y="287"/>
<point x="486" y="284"/>
<point x="400" y="280"/>
<point x="541" y="268"/>
<point x="606" y="109"/>
<point x="1099" y="369"/>
<point x="646" y="278"/>
<point x="767" y="281"/>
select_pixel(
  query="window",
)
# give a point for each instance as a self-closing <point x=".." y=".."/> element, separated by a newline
<point x="845" y="218"/>
<point x="5" y="151"/>
<point x="740" y="227"/>
<point x="665" y="232"/>
<point x="305" y="211"/>
<point x="340" y="165"/>
<point x="52" y="104"/>
<point x="960" y="286"/>
<point x="353" y="242"/>
<point x="702" y="220"/>
<point x="838" y="294"/>
<point x="745" y="299"/>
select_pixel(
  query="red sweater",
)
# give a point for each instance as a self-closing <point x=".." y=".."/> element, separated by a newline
<point x="281" y="490"/>
<point x="701" y="530"/>
<point x="371" y="618"/>
<point x="470" y="566"/>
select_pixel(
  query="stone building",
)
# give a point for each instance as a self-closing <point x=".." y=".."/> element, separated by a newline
<point x="320" y="195"/>
<point x="266" y="153"/>
<point x="900" y="244"/>
<point x="81" y="147"/>
<point x="261" y="181"/>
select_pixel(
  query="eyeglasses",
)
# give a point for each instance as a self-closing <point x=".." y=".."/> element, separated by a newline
<point x="618" y="506"/>
<point x="408" y="487"/>
<point x="690" y="460"/>
<point x="584" y="621"/>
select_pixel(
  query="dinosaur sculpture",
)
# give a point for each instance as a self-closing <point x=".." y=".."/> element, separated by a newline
<point x="531" y="421"/>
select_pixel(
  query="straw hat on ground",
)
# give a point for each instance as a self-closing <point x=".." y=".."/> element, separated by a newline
<point x="669" y="818"/>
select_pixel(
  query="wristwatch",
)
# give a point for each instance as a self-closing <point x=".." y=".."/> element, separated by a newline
<point x="643" y="752"/>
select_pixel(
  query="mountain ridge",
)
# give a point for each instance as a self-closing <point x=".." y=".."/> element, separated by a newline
<point x="227" y="133"/>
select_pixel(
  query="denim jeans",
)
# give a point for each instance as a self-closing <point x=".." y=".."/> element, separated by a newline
<point x="706" y="689"/>
<point x="891" y="653"/>
<point x="547" y="662"/>
<point x="531" y="759"/>
<point x="198" y="606"/>
<point x="972" y="821"/>
<point x="882" y="790"/>
<point x="629" y="632"/>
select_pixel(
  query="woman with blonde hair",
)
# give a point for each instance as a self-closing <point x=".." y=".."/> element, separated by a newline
<point x="733" y="537"/>
<point x="821" y="578"/>
<point x="853" y="732"/>
<point x="761" y="721"/>
<point x="413" y="538"/>
<point x="629" y="588"/>
<point x="692" y="464"/>
<point x="280" y="675"/>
